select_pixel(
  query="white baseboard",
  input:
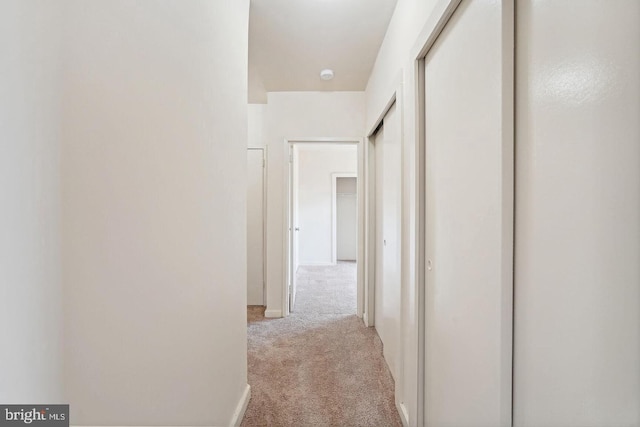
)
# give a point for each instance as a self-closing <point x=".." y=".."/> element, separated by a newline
<point x="315" y="264"/>
<point x="236" y="419"/>
<point x="238" y="414"/>
<point x="272" y="313"/>
<point x="365" y="318"/>
<point x="404" y="414"/>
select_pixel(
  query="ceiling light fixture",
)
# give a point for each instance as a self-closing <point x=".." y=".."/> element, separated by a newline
<point x="326" y="74"/>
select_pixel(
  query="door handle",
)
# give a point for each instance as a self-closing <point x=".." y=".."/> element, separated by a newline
<point x="297" y="229"/>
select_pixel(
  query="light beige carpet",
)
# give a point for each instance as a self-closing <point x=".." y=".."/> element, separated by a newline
<point x="320" y="366"/>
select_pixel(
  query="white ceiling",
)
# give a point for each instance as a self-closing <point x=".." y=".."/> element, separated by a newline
<point x="290" y="41"/>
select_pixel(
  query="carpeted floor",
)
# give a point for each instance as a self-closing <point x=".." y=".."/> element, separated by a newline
<point x="320" y="366"/>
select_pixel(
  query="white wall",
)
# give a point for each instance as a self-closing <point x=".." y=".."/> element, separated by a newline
<point x="291" y="115"/>
<point x="392" y="62"/>
<point x="577" y="283"/>
<point x="316" y="164"/>
<point x="30" y="281"/>
<point x="255" y="227"/>
<point x="256" y="131"/>
<point x="154" y="230"/>
<point x="255" y="208"/>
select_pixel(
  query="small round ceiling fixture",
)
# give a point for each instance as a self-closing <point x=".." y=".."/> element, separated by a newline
<point x="326" y="74"/>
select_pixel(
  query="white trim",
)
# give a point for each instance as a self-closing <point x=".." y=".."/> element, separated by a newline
<point x="360" y="254"/>
<point x="508" y="206"/>
<point x="420" y="235"/>
<point x="238" y="414"/>
<point x="369" y="231"/>
<point x="286" y="239"/>
<point x="404" y="414"/>
<point x="272" y="313"/>
<point x="440" y="15"/>
<point x="288" y="143"/>
<point x="265" y="213"/>
<point x="236" y="418"/>
<point x="334" y="212"/>
<point x="404" y="277"/>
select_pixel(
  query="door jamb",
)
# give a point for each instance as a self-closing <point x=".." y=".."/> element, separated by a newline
<point x="368" y="314"/>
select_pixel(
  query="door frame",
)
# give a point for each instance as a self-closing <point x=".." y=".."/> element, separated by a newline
<point x="369" y="293"/>
<point x="287" y="226"/>
<point x="264" y="221"/>
<point x="394" y="97"/>
<point x="440" y="17"/>
<point x="334" y="211"/>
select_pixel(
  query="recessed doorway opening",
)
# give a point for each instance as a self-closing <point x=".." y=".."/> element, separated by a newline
<point x="324" y="225"/>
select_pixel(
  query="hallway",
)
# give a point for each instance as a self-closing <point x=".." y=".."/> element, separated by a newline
<point x="165" y="164"/>
<point x="320" y="366"/>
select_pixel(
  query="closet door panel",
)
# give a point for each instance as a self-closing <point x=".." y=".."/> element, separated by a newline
<point x="469" y="206"/>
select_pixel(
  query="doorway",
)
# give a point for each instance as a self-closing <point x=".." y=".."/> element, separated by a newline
<point x="312" y="205"/>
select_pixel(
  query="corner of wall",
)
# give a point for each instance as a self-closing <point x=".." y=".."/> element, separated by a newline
<point x="272" y="314"/>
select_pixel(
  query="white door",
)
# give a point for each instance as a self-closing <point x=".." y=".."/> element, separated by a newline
<point x="294" y="228"/>
<point x="469" y="187"/>
<point x="577" y="300"/>
<point x="387" y="275"/>
<point x="255" y="227"/>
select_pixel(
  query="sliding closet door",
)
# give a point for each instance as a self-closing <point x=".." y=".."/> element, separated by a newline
<point x="577" y="307"/>
<point x="388" y="244"/>
<point x="469" y="224"/>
